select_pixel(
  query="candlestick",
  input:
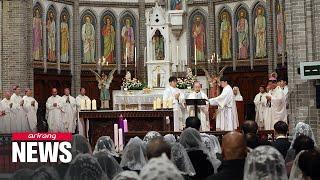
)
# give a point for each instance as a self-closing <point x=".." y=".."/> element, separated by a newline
<point x="195" y="55"/>
<point x="88" y="104"/>
<point x="126" y="57"/>
<point x="125" y="124"/>
<point x="120" y="139"/>
<point x="94" y="104"/>
<point x="135" y="56"/>
<point x="116" y="136"/>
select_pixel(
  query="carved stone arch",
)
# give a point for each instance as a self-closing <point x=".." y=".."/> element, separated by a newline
<point x="241" y="12"/>
<point x="254" y="11"/>
<point x="224" y="11"/>
<point x="108" y="26"/>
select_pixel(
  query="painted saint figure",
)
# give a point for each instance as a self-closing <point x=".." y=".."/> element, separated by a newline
<point x="64" y="30"/>
<point x="127" y="35"/>
<point x="51" y="29"/>
<point x="176" y="4"/>
<point x="198" y="34"/>
<point x="158" y="44"/>
<point x="242" y="29"/>
<point x="225" y="36"/>
<point x="280" y="29"/>
<point x="37" y="36"/>
<point x="108" y="34"/>
<point x="260" y="34"/>
<point x="88" y="39"/>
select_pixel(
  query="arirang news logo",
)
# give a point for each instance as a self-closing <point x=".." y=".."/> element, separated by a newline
<point x="41" y="147"/>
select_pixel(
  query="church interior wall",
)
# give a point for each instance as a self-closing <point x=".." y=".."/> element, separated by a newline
<point x="1" y="26"/>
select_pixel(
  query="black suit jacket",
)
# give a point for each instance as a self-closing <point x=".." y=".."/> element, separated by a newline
<point x="282" y="145"/>
<point x="229" y="170"/>
<point x="201" y="164"/>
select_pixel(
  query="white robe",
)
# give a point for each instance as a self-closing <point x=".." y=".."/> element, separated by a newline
<point x="31" y="112"/>
<point x="238" y="97"/>
<point x="260" y="102"/>
<point x="5" y="120"/>
<point x="203" y="111"/>
<point x="70" y="114"/>
<point x="81" y="121"/>
<point x="20" y="114"/>
<point x="178" y="120"/>
<point x="278" y="105"/>
<point x="54" y="114"/>
<point x="268" y="125"/>
<point x="227" y="116"/>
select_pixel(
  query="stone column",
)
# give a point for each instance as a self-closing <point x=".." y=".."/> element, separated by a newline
<point x="211" y="35"/>
<point x="1" y="35"/>
<point x="16" y="61"/>
<point x="301" y="41"/>
<point x="141" y="70"/>
<point x="270" y="34"/>
<point x="76" y="77"/>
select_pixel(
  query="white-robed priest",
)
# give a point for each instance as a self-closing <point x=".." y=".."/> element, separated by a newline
<point x="7" y="118"/>
<point x="82" y="97"/>
<point x="177" y="97"/>
<point x="203" y="110"/>
<point x="54" y="112"/>
<point x="20" y="113"/>
<point x="31" y="107"/>
<point x="70" y="111"/>
<point x="227" y="115"/>
<point x="260" y="102"/>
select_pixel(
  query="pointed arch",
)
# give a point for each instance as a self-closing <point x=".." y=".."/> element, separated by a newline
<point x="88" y="37"/>
<point x="51" y="27"/>
<point x="224" y="33"/>
<point x="198" y="35"/>
<point x="259" y="27"/>
<point x="128" y="32"/>
<point x="242" y="32"/>
<point x="108" y="23"/>
<point x="37" y="32"/>
<point x="64" y="36"/>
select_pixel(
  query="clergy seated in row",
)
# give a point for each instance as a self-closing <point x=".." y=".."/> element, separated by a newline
<point x="227" y="116"/>
<point x="203" y="110"/>
<point x="18" y="114"/>
<point x="172" y="93"/>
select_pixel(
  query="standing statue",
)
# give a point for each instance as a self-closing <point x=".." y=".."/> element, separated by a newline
<point x="104" y="85"/>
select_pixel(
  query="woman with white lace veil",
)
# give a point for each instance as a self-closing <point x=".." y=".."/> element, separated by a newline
<point x="180" y="158"/>
<point x="45" y="173"/>
<point x="160" y="168"/>
<point x="151" y="135"/>
<point x="265" y="163"/>
<point x="169" y="138"/>
<point x="211" y="145"/>
<point x="109" y="165"/>
<point x="127" y="175"/>
<point x="105" y="143"/>
<point x="301" y="128"/>
<point x="133" y="157"/>
<point x="85" y="167"/>
<point x="202" y="162"/>
<point x="296" y="173"/>
<point x="80" y="144"/>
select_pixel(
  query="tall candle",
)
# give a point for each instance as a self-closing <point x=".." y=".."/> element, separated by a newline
<point x="83" y="104"/>
<point x="195" y="54"/>
<point x="107" y="63"/>
<point x="135" y="56"/>
<point x="116" y="136"/>
<point x="145" y="56"/>
<point x="155" y="104"/>
<point x="165" y="104"/>
<point x="125" y="125"/>
<point x="126" y="57"/>
<point x="99" y="62"/>
<point x="94" y="104"/>
<point x="120" y="139"/>
<point x="88" y="104"/>
<point x="120" y="121"/>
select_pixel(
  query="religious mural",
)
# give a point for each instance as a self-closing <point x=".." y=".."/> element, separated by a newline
<point x="280" y="27"/>
<point x="37" y="48"/>
<point x="225" y="35"/>
<point x="242" y="37"/>
<point x="127" y="38"/>
<point x="198" y="36"/>
<point x="175" y="4"/>
<point x="259" y="29"/>
<point x="158" y="45"/>
<point x="51" y="34"/>
<point x="108" y="37"/>
<point x="64" y="36"/>
<point x="88" y="36"/>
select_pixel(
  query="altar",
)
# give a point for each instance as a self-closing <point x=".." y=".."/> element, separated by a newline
<point x="101" y="122"/>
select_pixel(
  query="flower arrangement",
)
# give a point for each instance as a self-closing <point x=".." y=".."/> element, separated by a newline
<point x="184" y="83"/>
<point x="133" y="84"/>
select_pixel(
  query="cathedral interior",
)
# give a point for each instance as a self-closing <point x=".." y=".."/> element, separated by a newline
<point x="46" y="44"/>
